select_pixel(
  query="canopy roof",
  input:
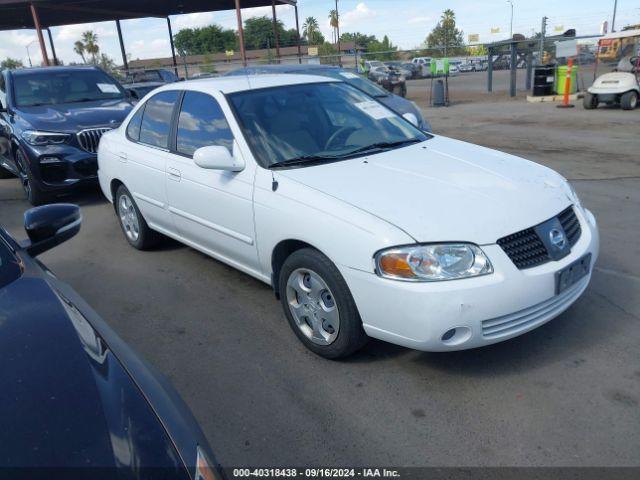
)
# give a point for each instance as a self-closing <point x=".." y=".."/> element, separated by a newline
<point x="15" y="14"/>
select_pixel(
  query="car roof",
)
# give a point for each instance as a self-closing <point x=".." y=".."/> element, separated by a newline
<point x="234" y="84"/>
<point x="74" y="68"/>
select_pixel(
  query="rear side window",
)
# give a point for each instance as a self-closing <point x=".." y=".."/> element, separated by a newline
<point x="133" y="129"/>
<point x="201" y="124"/>
<point x="156" y="121"/>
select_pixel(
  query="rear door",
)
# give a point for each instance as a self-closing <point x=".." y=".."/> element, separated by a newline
<point x="5" y="128"/>
<point x="212" y="209"/>
<point x="146" y="158"/>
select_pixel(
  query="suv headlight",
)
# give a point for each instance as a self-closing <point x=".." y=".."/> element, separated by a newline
<point x="573" y="195"/>
<point x="37" y="138"/>
<point x="432" y="262"/>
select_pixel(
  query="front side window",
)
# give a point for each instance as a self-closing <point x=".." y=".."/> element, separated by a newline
<point x="156" y="120"/>
<point x="36" y="88"/>
<point x="201" y="123"/>
<point x="318" y="122"/>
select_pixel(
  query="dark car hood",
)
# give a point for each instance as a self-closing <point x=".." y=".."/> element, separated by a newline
<point x="72" y="117"/>
<point x="65" y="398"/>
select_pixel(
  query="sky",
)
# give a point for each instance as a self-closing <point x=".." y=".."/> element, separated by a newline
<point x="406" y="22"/>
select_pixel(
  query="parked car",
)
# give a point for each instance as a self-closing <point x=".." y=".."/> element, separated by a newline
<point x="362" y="224"/>
<point x="424" y="64"/>
<point x="51" y="120"/>
<point x="396" y="103"/>
<point x="454" y="71"/>
<point x="74" y="395"/>
<point x="466" y="67"/>
<point x="390" y="79"/>
<point x="137" y="91"/>
<point x="158" y="75"/>
<point x="400" y="68"/>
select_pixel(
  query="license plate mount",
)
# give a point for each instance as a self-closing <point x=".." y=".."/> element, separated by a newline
<point x="573" y="273"/>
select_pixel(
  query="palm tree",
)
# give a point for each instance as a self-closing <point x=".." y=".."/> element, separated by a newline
<point x="90" y="40"/>
<point x="333" y="21"/>
<point x="78" y="47"/>
<point x="310" y="29"/>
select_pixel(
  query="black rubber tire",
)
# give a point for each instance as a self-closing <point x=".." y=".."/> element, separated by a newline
<point x="35" y="195"/>
<point x="589" y="102"/>
<point x="4" y="173"/>
<point x="403" y="90"/>
<point x="351" y="336"/>
<point x="629" y="100"/>
<point x="147" y="237"/>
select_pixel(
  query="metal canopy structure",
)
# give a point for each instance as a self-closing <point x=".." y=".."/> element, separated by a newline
<point x="42" y="14"/>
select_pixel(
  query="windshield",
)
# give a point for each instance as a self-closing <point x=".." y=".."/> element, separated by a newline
<point x="51" y="88"/>
<point x="318" y="122"/>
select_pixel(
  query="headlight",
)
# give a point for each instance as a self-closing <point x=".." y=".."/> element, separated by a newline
<point x="433" y="262"/>
<point x="34" y="137"/>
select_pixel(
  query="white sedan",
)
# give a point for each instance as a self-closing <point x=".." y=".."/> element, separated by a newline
<point x="363" y="225"/>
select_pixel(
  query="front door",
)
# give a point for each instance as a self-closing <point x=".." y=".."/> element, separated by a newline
<point x="211" y="209"/>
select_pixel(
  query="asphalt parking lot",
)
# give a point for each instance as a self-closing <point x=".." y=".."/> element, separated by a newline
<point x="566" y="394"/>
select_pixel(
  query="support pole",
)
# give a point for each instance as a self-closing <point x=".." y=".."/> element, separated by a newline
<point x="53" y="48"/>
<point x="514" y="66"/>
<point x="125" y="63"/>
<point x="241" y="33"/>
<point x="529" y="69"/>
<point x="173" y="48"/>
<point x="298" y="30"/>
<point x="490" y="71"/>
<point x="36" y="23"/>
<point x="338" y="34"/>
<point x="275" y="29"/>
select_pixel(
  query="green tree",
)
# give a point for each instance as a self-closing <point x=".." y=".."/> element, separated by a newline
<point x="333" y="21"/>
<point x="258" y="33"/>
<point x="78" y="47"/>
<point x="10" y="63"/>
<point x="384" y="50"/>
<point x="360" y="39"/>
<point x="107" y="63"/>
<point x="328" y="54"/>
<point x="446" y="34"/>
<point x="209" y="39"/>
<point x="311" y="31"/>
<point x="90" y="42"/>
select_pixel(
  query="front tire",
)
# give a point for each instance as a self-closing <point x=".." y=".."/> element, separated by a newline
<point x="319" y="306"/>
<point x="133" y="224"/>
<point x="629" y="100"/>
<point x="35" y="195"/>
<point x="589" y="101"/>
<point x="4" y="173"/>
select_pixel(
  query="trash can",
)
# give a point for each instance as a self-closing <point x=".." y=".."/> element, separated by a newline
<point x="561" y="78"/>
<point x="543" y="80"/>
<point x="438" y="94"/>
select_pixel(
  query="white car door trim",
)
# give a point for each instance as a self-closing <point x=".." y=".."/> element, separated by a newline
<point x="153" y="202"/>
<point x="213" y="226"/>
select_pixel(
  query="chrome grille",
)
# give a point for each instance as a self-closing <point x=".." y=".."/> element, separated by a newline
<point x="89" y="139"/>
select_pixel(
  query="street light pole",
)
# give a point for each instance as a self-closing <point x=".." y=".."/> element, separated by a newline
<point x="29" y="53"/>
<point x="613" y="22"/>
<point x="510" y="2"/>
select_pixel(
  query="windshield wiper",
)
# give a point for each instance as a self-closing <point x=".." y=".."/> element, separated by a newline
<point x="382" y="146"/>
<point x="305" y="160"/>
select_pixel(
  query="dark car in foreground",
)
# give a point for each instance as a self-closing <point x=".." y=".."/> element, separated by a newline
<point x="51" y="121"/>
<point x="394" y="102"/>
<point x="76" y="401"/>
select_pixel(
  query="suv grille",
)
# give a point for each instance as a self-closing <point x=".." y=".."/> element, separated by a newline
<point x="90" y="139"/>
<point x="526" y="250"/>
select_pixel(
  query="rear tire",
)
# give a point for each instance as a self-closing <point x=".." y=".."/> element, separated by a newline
<point x="629" y="100"/>
<point x="326" y="319"/>
<point x="133" y="224"/>
<point x="589" y="101"/>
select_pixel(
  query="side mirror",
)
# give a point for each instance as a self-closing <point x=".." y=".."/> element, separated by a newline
<point x="50" y="225"/>
<point x="216" y="157"/>
<point x="411" y="118"/>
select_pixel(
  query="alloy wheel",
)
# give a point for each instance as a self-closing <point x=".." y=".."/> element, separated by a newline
<point x="129" y="218"/>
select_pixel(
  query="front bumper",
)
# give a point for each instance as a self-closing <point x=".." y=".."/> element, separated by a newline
<point x="58" y="168"/>
<point x="483" y="310"/>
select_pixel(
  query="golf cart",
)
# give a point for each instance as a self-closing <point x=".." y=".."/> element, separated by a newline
<point x="622" y="86"/>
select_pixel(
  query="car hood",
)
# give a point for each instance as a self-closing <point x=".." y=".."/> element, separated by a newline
<point x="72" y="117"/>
<point x="66" y="399"/>
<point x="444" y="190"/>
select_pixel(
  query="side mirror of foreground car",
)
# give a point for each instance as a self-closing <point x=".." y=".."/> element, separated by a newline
<point x="411" y="118"/>
<point x="50" y="225"/>
<point x="216" y="157"/>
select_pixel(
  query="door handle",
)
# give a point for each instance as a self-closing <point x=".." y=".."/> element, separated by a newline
<point x="123" y="156"/>
<point x="174" y="174"/>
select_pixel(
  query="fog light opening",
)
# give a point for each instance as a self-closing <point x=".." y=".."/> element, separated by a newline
<point x="456" y="336"/>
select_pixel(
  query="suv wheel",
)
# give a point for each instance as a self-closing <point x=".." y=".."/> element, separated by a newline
<point x="35" y="195"/>
<point x="319" y="305"/>
<point x="133" y="224"/>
